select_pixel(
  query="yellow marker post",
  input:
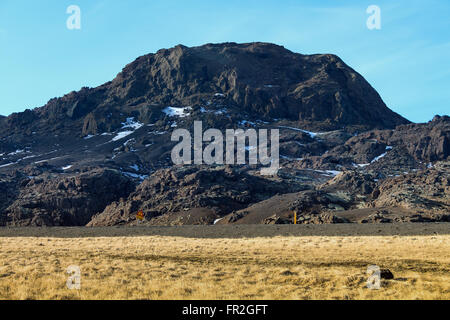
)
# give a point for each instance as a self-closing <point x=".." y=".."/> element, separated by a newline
<point x="295" y="217"/>
<point x="140" y="216"/>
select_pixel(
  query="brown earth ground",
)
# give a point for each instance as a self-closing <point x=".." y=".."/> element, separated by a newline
<point x="217" y="262"/>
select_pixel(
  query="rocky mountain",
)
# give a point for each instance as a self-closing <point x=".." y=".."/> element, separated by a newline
<point x="98" y="156"/>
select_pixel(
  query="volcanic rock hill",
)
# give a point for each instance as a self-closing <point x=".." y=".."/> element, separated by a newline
<point x="261" y="79"/>
<point x="99" y="155"/>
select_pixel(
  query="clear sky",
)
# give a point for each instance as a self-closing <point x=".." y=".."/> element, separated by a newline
<point x="407" y="60"/>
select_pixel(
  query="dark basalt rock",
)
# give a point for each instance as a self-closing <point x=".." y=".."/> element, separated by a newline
<point x="386" y="274"/>
<point x="65" y="201"/>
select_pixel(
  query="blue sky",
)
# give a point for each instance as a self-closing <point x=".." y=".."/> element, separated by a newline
<point x="407" y="61"/>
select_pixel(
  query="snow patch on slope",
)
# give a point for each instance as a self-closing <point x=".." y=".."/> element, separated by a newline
<point x="130" y="123"/>
<point x="311" y="134"/>
<point x="177" y="112"/>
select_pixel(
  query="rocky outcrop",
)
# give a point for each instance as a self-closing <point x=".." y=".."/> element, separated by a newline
<point x="9" y="190"/>
<point x="426" y="191"/>
<point x="182" y="189"/>
<point x="49" y="200"/>
<point x="424" y="142"/>
<point x="408" y="147"/>
<point x="359" y="197"/>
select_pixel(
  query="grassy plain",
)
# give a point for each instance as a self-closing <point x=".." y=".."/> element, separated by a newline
<point x="169" y="267"/>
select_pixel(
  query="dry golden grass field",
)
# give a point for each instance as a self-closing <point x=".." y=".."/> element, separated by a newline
<point x="170" y="267"/>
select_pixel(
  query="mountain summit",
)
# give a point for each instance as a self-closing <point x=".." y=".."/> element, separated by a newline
<point x="262" y="79"/>
<point x="265" y="79"/>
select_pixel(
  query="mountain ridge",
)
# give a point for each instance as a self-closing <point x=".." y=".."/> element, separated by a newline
<point x="261" y="78"/>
